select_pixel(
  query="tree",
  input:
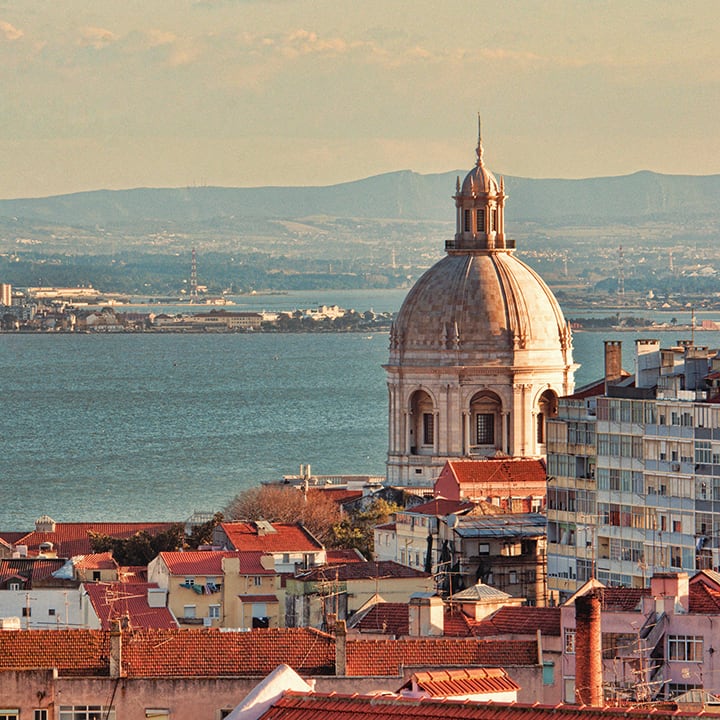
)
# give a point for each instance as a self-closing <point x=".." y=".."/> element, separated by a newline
<point x="357" y="530"/>
<point x="288" y="504"/>
<point x="202" y="534"/>
<point x="140" y="548"/>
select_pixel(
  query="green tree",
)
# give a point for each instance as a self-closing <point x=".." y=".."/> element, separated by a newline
<point x="202" y="534"/>
<point x="357" y="530"/>
<point x="140" y="548"/>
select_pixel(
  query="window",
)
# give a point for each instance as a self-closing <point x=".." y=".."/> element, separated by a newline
<point x="484" y="549"/>
<point x="485" y="429"/>
<point x="257" y="580"/>
<point x="685" y="648"/>
<point x="570" y="641"/>
<point x="96" y="576"/>
<point x="513" y="577"/>
<point x="51" y="611"/>
<point x="428" y="429"/>
<point x="14" y="586"/>
<point x="189" y="581"/>
<point x="189" y="611"/>
<point x="480" y="220"/>
<point x="40" y="714"/>
<point x="286" y="558"/>
<point x="548" y="672"/>
<point x="468" y="221"/>
<point x="26" y="612"/>
<point x="86" y="712"/>
<point x="157" y="713"/>
<point x="9" y="714"/>
<point x="214" y="611"/>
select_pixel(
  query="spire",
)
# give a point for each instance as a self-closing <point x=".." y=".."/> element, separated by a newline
<point x="479" y="150"/>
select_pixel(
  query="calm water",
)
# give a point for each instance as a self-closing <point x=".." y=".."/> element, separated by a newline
<point x="140" y="427"/>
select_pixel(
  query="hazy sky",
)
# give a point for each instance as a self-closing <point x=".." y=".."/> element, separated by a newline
<point x="129" y="93"/>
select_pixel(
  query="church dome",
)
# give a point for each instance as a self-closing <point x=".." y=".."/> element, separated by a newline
<point x="480" y="180"/>
<point x="479" y="309"/>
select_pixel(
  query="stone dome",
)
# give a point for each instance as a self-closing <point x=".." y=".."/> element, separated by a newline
<point x="480" y="180"/>
<point x="479" y="308"/>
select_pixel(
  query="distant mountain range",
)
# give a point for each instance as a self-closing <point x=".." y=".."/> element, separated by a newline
<point x="642" y="196"/>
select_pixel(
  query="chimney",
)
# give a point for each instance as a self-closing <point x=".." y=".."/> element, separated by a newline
<point x="116" y="669"/>
<point x="674" y="589"/>
<point x="588" y="651"/>
<point x="613" y="362"/>
<point x="426" y="615"/>
<point x="340" y="649"/>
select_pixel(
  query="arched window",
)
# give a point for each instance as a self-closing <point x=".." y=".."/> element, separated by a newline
<point x="547" y="408"/>
<point x="485" y="428"/>
<point x="422" y="424"/>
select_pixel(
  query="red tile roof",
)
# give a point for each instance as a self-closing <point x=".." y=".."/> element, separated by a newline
<point x="440" y="507"/>
<point x="301" y="706"/>
<point x="514" y="471"/>
<point x="171" y="652"/>
<point x="379" y="569"/>
<point x="389" y="657"/>
<point x="520" y="621"/>
<point x="393" y="619"/>
<point x="288" y="537"/>
<point x="622" y="599"/>
<point x="337" y="495"/>
<point x="209" y="562"/>
<point x="704" y="599"/>
<point x="33" y="572"/>
<point x="343" y="555"/>
<point x="456" y="683"/>
<point x="95" y="561"/>
<point x="116" y="600"/>
<point x="71" y="539"/>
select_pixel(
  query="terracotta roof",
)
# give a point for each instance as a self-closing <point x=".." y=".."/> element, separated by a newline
<point x="95" y="561"/>
<point x="132" y="573"/>
<point x="389" y="657"/>
<point x="288" y="537"/>
<point x="362" y="571"/>
<point x="115" y="600"/>
<point x="622" y="599"/>
<point x="704" y="599"/>
<point x="337" y="495"/>
<point x="468" y="681"/>
<point x="440" y="507"/>
<point x="387" y="618"/>
<point x="71" y="539"/>
<point x="393" y="619"/>
<point x="171" y="652"/>
<point x="344" y="555"/>
<point x="32" y="571"/>
<point x="209" y="562"/>
<point x="514" y="471"/>
<point x="300" y="706"/>
<point x="521" y="621"/>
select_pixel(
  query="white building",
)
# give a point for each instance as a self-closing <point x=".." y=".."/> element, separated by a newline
<point x="480" y="350"/>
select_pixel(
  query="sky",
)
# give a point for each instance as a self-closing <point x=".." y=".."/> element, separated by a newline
<point x="242" y="93"/>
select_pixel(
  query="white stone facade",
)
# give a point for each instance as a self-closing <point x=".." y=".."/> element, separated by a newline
<point x="479" y="352"/>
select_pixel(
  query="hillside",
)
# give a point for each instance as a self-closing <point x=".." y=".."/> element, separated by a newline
<point x="642" y="196"/>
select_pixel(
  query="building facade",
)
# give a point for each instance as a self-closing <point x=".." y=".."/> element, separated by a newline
<point x="634" y="472"/>
<point x="480" y="350"/>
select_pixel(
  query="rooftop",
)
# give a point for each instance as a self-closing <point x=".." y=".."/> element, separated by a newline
<point x="126" y="600"/>
<point x="270" y="537"/>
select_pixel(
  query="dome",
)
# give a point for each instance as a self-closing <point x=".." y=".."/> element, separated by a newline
<point x="479" y="309"/>
<point x="479" y="180"/>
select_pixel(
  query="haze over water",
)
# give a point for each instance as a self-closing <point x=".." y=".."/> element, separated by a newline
<point x="154" y="426"/>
